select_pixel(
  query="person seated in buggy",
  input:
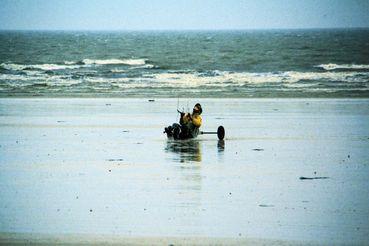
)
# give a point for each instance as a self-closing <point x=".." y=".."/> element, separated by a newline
<point x="188" y="126"/>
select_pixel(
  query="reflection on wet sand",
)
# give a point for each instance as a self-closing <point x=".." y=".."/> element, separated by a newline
<point x="187" y="155"/>
<point x="187" y="150"/>
<point x="221" y="146"/>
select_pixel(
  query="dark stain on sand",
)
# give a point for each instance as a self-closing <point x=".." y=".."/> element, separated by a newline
<point x="311" y="178"/>
<point x="119" y="159"/>
<point x="266" y="205"/>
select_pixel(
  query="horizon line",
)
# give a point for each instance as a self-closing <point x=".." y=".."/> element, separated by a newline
<point x="188" y="29"/>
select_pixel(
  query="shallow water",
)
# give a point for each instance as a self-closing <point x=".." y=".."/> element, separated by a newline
<point x="103" y="166"/>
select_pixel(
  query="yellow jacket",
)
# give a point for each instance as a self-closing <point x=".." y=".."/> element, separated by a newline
<point x="195" y="119"/>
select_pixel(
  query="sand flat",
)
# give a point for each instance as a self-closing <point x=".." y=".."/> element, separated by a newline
<point x="103" y="167"/>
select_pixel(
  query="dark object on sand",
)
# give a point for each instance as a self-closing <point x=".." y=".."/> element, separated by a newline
<point x="266" y="206"/>
<point x="258" y="149"/>
<point x="310" y="178"/>
<point x="151" y="100"/>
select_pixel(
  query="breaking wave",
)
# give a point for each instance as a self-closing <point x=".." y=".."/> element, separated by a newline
<point x="135" y="63"/>
<point x="130" y="62"/>
<point x="243" y="78"/>
<point x="174" y="79"/>
<point x="44" y="67"/>
<point x="332" y="66"/>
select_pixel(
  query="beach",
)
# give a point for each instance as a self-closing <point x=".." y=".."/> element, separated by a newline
<point x="289" y="172"/>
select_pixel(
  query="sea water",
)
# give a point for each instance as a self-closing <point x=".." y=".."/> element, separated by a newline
<point x="258" y="63"/>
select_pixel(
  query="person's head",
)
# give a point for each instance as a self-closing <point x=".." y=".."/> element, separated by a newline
<point x="197" y="109"/>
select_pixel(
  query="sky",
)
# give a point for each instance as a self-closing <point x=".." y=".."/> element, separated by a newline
<point x="181" y="14"/>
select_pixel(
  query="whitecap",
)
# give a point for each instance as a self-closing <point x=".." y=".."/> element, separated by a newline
<point x="45" y="67"/>
<point x="130" y="62"/>
<point x="223" y="79"/>
<point x="70" y="62"/>
<point x="115" y="70"/>
<point x="332" y="66"/>
<point x="148" y="66"/>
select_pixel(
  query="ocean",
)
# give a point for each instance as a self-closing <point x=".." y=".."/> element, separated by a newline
<point x="252" y="63"/>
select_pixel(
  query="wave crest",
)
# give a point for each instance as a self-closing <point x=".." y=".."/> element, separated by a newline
<point x="139" y="63"/>
<point x="44" y="67"/>
<point x="130" y="62"/>
<point x="332" y="66"/>
<point x="242" y="78"/>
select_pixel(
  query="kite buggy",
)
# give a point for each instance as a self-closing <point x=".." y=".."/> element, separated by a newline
<point x="189" y="125"/>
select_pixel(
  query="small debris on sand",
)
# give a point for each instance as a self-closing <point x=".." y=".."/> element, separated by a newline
<point x="90" y="210"/>
<point x="265" y="205"/>
<point x="151" y="100"/>
<point x="310" y="178"/>
<point x="108" y="104"/>
<point x="120" y="159"/>
<point x="60" y="121"/>
<point x="125" y="131"/>
<point x="258" y="149"/>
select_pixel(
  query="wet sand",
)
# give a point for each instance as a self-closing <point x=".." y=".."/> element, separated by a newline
<point x="290" y="171"/>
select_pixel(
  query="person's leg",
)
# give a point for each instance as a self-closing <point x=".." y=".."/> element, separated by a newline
<point x="185" y="132"/>
<point x="176" y="130"/>
<point x="193" y="132"/>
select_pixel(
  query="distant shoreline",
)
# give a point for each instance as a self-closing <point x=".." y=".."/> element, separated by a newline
<point x="189" y="30"/>
<point x="175" y="97"/>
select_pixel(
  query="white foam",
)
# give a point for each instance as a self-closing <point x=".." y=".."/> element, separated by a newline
<point x="16" y="77"/>
<point x="192" y="79"/>
<point x="70" y="62"/>
<point x="143" y="66"/>
<point x="115" y="70"/>
<point x="130" y="62"/>
<point x="332" y="66"/>
<point x="45" y="67"/>
<point x="224" y="79"/>
<point x="20" y="80"/>
<point x="229" y="78"/>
